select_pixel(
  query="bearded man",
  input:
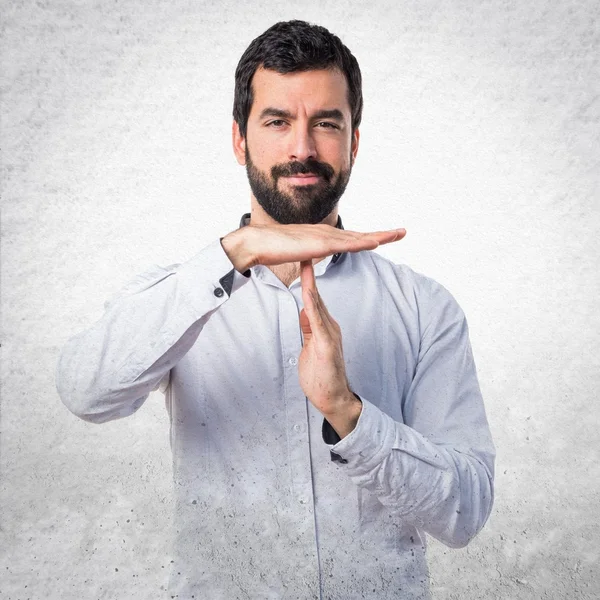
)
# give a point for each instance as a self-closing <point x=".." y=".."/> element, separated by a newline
<point x="324" y="405"/>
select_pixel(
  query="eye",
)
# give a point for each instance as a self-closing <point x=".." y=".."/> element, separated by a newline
<point x="327" y="125"/>
<point x="277" y="123"/>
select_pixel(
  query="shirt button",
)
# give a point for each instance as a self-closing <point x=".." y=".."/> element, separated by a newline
<point x="293" y="361"/>
<point x="303" y="500"/>
<point x="297" y="427"/>
<point x="218" y="292"/>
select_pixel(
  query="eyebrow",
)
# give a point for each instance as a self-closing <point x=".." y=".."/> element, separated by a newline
<point x="333" y="113"/>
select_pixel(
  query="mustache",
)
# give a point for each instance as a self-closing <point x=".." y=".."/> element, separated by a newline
<point x="302" y="168"/>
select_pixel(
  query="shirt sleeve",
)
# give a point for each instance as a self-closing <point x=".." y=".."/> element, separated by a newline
<point x="108" y="371"/>
<point x="436" y="469"/>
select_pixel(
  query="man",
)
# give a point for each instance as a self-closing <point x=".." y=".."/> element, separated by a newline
<point x="311" y="454"/>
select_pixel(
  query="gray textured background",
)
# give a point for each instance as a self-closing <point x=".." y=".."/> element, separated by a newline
<point x="480" y="136"/>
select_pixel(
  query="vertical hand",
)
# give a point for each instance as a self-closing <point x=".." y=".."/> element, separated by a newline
<point x="321" y="366"/>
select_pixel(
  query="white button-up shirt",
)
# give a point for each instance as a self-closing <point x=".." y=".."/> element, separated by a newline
<point x="270" y="503"/>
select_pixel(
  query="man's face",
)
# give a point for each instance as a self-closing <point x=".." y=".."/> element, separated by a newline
<point x="299" y="146"/>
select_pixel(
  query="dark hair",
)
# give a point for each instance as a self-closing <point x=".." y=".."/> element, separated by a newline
<point x="290" y="46"/>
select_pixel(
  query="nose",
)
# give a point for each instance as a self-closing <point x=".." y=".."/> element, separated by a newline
<point x="302" y="144"/>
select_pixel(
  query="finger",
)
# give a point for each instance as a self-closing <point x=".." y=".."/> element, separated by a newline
<point x="355" y="242"/>
<point x="393" y="235"/>
<point x="326" y="317"/>
<point x="307" y="276"/>
<point x="314" y="297"/>
<point x="305" y="325"/>
<point x="309" y="292"/>
<point x="318" y="329"/>
<point x="309" y="283"/>
<point x="386" y="237"/>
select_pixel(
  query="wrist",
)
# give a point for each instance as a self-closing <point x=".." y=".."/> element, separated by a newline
<point x="234" y="246"/>
<point x="345" y="416"/>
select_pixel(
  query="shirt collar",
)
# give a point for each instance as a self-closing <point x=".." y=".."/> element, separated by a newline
<point x="246" y="219"/>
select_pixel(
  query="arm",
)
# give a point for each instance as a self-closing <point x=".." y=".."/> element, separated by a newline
<point x="435" y="469"/>
<point x="108" y="371"/>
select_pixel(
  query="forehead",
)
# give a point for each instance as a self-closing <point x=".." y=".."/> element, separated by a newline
<point x="310" y="90"/>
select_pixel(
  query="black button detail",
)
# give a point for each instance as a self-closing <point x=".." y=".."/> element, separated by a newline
<point x="219" y="292"/>
<point x="337" y="458"/>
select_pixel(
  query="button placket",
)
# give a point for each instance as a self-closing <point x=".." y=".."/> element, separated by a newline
<point x="301" y="505"/>
<point x="296" y="411"/>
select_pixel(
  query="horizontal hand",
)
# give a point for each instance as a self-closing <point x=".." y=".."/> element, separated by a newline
<point x="277" y="244"/>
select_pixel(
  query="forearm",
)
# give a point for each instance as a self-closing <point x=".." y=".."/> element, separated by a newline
<point x="107" y="371"/>
<point x="445" y="491"/>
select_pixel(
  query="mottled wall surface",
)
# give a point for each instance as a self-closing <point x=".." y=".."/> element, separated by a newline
<point x="480" y="136"/>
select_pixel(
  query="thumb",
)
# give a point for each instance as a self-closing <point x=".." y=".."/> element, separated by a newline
<point x="305" y="325"/>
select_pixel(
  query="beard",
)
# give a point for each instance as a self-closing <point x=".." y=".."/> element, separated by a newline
<point x="305" y="204"/>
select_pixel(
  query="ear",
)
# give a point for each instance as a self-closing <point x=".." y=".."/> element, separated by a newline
<point x="355" y="139"/>
<point x="239" y="143"/>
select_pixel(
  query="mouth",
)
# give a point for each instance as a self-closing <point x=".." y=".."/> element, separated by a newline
<point x="303" y="179"/>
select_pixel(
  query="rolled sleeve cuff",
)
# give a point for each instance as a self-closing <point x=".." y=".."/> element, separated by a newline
<point x="369" y="442"/>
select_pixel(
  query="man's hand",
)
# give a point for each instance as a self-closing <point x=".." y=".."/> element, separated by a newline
<point x="277" y="244"/>
<point x="321" y="366"/>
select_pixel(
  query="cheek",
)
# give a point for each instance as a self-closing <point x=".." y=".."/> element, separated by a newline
<point x="261" y="150"/>
<point x="262" y="156"/>
<point x="337" y="154"/>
